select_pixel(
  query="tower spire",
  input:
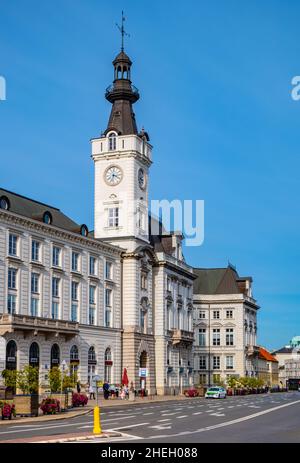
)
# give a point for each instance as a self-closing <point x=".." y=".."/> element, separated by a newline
<point x="122" y="30"/>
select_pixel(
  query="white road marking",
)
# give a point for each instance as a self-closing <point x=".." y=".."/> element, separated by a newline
<point x="197" y="413"/>
<point x="150" y="413"/>
<point x="182" y="416"/>
<point x="160" y="427"/>
<point x="228" y="423"/>
<point x="166" y="419"/>
<point x="127" y="427"/>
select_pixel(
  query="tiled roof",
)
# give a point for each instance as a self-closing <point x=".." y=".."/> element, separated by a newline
<point x="265" y="355"/>
<point x="216" y="281"/>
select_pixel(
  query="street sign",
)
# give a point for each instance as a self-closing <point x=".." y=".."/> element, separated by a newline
<point x="143" y="372"/>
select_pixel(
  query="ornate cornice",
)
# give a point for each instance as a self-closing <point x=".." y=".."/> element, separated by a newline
<point x="33" y="226"/>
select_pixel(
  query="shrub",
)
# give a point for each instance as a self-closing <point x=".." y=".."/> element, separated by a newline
<point x="7" y="410"/>
<point x="50" y="406"/>
<point x="55" y="379"/>
<point x="191" y="393"/>
<point x="79" y="400"/>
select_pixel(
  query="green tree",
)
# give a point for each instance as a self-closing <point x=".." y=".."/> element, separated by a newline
<point x="28" y="380"/>
<point x="55" y="379"/>
<point x="10" y="378"/>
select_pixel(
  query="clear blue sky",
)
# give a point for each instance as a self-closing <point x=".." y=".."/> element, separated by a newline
<point x="215" y="82"/>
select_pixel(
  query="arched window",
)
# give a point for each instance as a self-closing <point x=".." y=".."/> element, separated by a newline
<point x="55" y="356"/>
<point x="92" y="355"/>
<point x="74" y="354"/>
<point x="119" y="72"/>
<point x="11" y="355"/>
<point x="108" y="365"/>
<point x="34" y="355"/>
<point x="112" y="142"/>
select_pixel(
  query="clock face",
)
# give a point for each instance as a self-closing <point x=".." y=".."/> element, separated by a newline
<point x="142" y="179"/>
<point x="113" y="175"/>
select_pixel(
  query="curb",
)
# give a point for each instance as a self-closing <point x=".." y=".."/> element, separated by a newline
<point x="103" y="435"/>
<point x="41" y="419"/>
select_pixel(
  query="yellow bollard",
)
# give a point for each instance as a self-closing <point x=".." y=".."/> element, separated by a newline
<point x="97" y="423"/>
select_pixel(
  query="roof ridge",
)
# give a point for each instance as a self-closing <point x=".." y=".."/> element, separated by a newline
<point x="29" y="199"/>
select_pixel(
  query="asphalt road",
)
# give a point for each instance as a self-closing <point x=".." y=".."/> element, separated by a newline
<point x="261" y="418"/>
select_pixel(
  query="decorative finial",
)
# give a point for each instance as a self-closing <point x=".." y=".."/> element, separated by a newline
<point x="122" y="30"/>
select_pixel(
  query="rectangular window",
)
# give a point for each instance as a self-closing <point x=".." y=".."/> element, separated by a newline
<point x="229" y="313"/>
<point x="201" y="314"/>
<point x="12" y="278"/>
<point x="11" y="303"/>
<point x="92" y="294"/>
<point x="216" y="314"/>
<point x="216" y="378"/>
<point x="202" y="337"/>
<point x="55" y="310"/>
<point x="229" y="337"/>
<point x="75" y="261"/>
<point x="74" y="291"/>
<point x="202" y="378"/>
<point x="216" y="362"/>
<point x="216" y="337"/>
<point x="74" y="312"/>
<point x="113" y="217"/>
<point x="229" y="362"/>
<point x="108" y="270"/>
<point x="55" y="287"/>
<point x="12" y="244"/>
<point x="35" y="283"/>
<point x="34" y="307"/>
<point x="92" y="265"/>
<point x="108" y="297"/>
<point x="169" y="284"/>
<point x="92" y="316"/>
<point x="202" y="362"/>
<point x="35" y="251"/>
<point x="56" y="256"/>
<point x="107" y="317"/>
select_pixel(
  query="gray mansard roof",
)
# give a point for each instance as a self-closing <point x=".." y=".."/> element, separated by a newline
<point x="218" y="281"/>
<point x="32" y="209"/>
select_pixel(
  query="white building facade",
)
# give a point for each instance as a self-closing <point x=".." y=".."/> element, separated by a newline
<point x="60" y="295"/>
<point x="225" y="326"/>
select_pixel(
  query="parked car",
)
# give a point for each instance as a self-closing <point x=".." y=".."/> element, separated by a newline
<point x="215" y="392"/>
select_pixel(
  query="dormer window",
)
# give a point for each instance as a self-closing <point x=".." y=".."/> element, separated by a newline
<point x="84" y="230"/>
<point x="112" y="141"/>
<point x="47" y="218"/>
<point x="4" y="203"/>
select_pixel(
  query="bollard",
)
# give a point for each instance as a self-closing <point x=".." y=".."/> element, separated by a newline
<point x="97" y="423"/>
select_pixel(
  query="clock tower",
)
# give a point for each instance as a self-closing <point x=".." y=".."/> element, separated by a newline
<point x="122" y="157"/>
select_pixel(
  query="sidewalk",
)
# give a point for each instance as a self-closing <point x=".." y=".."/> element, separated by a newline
<point x="72" y="413"/>
<point x="62" y="438"/>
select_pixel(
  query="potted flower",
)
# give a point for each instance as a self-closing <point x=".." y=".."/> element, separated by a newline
<point x="7" y="410"/>
<point x="50" y="406"/>
<point x="79" y="400"/>
<point x="27" y="381"/>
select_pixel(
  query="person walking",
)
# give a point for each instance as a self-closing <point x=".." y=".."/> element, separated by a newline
<point x="78" y="387"/>
<point x="91" y="392"/>
<point x="106" y="390"/>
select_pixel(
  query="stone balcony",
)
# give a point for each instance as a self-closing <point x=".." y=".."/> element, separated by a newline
<point x="252" y="351"/>
<point x="32" y="326"/>
<point x="182" y="337"/>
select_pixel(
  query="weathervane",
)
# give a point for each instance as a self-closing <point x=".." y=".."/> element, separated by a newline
<point x="122" y="30"/>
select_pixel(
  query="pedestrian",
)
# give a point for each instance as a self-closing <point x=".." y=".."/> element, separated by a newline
<point x="123" y="394"/>
<point x="106" y="390"/>
<point x="78" y="387"/>
<point x="91" y="392"/>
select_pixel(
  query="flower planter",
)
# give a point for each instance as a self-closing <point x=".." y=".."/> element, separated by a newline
<point x="50" y="406"/>
<point x="7" y="410"/>
<point x="62" y="398"/>
<point x="27" y="405"/>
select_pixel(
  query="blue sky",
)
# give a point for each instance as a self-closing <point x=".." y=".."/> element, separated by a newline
<point x="215" y="83"/>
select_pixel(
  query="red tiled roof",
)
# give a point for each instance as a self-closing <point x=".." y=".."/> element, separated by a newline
<point x="264" y="354"/>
